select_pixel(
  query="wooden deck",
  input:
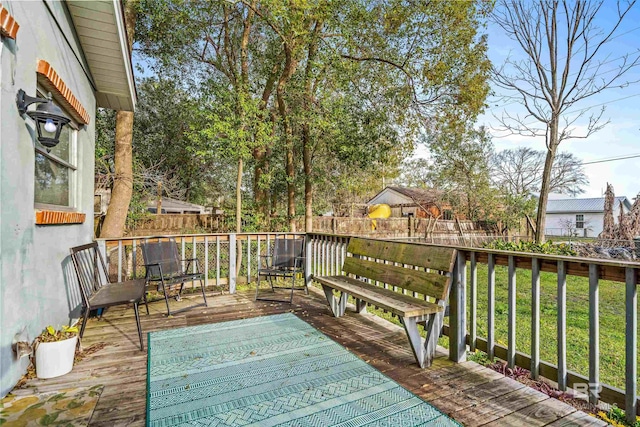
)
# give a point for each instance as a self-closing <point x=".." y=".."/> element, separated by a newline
<point x="470" y="393"/>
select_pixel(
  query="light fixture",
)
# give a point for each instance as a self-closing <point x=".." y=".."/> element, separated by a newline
<point x="49" y="118"/>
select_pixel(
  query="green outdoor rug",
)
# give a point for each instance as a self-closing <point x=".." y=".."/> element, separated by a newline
<point x="271" y="371"/>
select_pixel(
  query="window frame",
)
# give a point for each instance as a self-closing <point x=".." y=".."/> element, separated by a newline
<point x="70" y="165"/>
<point x="580" y="222"/>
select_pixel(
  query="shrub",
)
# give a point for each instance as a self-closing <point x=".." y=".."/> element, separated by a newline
<point x="548" y="247"/>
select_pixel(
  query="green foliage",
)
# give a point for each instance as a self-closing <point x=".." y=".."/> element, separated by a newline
<point x="547" y="247"/>
<point x="616" y="417"/>
<point x="50" y="334"/>
<point x="480" y="357"/>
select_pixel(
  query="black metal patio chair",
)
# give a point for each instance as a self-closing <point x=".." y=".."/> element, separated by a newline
<point x="164" y="268"/>
<point x="98" y="291"/>
<point x="285" y="261"/>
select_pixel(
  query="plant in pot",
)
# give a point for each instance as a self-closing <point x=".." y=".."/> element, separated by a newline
<point x="55" y="350"/>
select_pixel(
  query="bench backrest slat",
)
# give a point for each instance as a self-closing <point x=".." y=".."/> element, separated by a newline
<point x="432" y="283"/>
<point x="432" y="257"/>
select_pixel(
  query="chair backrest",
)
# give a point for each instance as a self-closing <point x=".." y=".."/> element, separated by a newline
<point x="90" y="269"/>
<point x="163" y="252"/>
<point x="285" y="252"/>
<point x="395" y="263"/>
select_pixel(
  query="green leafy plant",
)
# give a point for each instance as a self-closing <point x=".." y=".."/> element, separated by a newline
<point x="548" y="247"/>
<point x="50" y="334"/>
<point x="616" y="417"/>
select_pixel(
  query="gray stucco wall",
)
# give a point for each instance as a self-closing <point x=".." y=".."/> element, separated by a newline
<point x="36" y="283"/>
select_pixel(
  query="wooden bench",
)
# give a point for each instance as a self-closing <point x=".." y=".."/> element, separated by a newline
<point x="397" y="277"/>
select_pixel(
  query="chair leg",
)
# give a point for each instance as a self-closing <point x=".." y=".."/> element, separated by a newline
<point x="202" y="282"/>
<point x="84" y="321"/>
<point x="258" y="285"/>
<point x="135" y="309"/>
<point x="166" y="298"/>
<point x="145" y="302"/>
<point x="293" y="285"/>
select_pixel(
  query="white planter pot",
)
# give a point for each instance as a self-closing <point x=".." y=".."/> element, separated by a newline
<point x="55" y="358"/>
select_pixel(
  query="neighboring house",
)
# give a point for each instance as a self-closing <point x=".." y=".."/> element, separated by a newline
<point x="421" y="203"/>
<point x="580" y="217"/>
<point x="173" y="206"/>
<point x="77" y="50"/>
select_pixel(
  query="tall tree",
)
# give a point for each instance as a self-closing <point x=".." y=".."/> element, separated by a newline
<point x="518" y="172"/>
<point x="114" y="221"/>
<point x="563" y="51"/>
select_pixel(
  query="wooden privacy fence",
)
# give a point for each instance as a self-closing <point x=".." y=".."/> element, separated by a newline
<point x="481" y="275"/>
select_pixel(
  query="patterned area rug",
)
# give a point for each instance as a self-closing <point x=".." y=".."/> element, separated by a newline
<point x="271" y="371"/>
<point x="72" y="407"/>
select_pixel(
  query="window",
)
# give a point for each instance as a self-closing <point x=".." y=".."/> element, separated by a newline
<point x="55" y="171"/>
<point x="579" y="221"/>
<point x="447" y="215"/>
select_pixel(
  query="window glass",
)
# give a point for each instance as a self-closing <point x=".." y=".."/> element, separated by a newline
<point x="54" y="170"/>
<point x="579" y="221"/>
<point x="52" y="182"/>
<point x="61" y="150"/>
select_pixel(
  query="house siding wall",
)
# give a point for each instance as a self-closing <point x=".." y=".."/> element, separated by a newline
<point x="37" y="283"/>
<point x="593" y="222"/>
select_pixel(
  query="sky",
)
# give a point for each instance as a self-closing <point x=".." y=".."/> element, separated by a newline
<point x="621" y="137"/>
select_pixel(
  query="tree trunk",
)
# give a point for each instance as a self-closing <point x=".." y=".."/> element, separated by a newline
<point x="546" y="179"/>
<point x="287" y="72"/>
<point x="308" y="185"/>
<point x="116" y="217"/>
<point x="114" y="221"/>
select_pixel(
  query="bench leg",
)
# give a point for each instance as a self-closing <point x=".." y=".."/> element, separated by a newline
<point x="433" y="328"/>
<point x="361" y="306"/>
<point x="419" y="348"/>
<point x="337" y="306"/>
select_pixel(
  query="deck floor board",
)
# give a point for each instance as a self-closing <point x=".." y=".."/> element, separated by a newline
<point x="470" y="393"/>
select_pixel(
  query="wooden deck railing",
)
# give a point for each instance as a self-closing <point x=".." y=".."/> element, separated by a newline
<point x="217" y="255"/>
<point x="325" y="254"/>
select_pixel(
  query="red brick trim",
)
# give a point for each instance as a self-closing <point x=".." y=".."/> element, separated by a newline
<point x="8" y="25"/>
<point x="59" y="217"/>
<point x="50" y="79"/>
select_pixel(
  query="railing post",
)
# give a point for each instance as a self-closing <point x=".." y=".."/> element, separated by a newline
<point x="491" y="306"/>
<point x="511" y="308"/>
<point x="232" y="263"/>
<point x="473" y="289"/>
<point x="631" y="345"/>
<point x="308" y="253"/>
<point x="457" y="311"/>
<point x="535" y="318"/>
<point x="562" y="326"/>
<point x="594" y="335"/>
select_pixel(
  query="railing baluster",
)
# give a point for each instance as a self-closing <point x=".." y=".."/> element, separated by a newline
<point x="535" y="318"/>
<point x="119" y="260"/>
<point x="594" y="334"/>
<point x="217" y="260"/>
<point x="134" y="256"/>
<point x="248" y="259"/>
<point x="474" y="303"/>
<point x="511" y="328"/>
<point x="308" y="250"/>
<point x="631" y="344"/>
<point x="182" y="238"/>
<point x="562" y="326"/>
<point x="194" y="255"/>
<point x="232" y="263"/>
<point x="206" y="260"/>
<point x="491" y="305"/>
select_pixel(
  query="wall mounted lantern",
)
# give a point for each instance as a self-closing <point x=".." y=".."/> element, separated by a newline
<point x="49" y="118"/>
